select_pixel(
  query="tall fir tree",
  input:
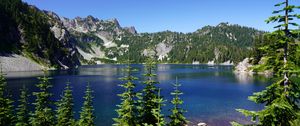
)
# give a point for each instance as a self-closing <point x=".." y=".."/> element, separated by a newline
<point x="147" y="102"/>
<point x="177" y="118"/>
<point x="127" y="112"/>
<point x="87" y="111"/>
<point x="65" y="114"/>
<point x="157" y="111"/>
<point x="23" y="108"/>
<point x="6" y="104"/>
<point x="43" y="113"/>
<point x="282" y="97"/>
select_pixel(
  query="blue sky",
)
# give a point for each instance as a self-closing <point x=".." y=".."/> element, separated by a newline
<point x="174" y="15"/>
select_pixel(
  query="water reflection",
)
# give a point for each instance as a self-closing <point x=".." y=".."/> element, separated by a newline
<point x="163" y="67"/>
<point x="211" y="93"/>
<point x="244" y="78"/>
<point x="107" y="70"/>
<point x="24" y="74"/>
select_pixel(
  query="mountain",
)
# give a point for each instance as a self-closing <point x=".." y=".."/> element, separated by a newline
<point x="96" y="38"/>
<point x="27" y="31"/>
<point x="53" y="41"/>
<point x="105" y="41"/>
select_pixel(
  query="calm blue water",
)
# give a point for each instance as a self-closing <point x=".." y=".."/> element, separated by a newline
<point x="211" y="94"/>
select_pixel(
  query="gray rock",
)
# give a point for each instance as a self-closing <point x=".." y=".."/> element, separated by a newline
<point x="15" y="62"/>
<point x="201" y="124"/>
<point x="131" y="30"/>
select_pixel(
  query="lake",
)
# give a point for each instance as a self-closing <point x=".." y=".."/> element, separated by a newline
<point x="211" y="93"/>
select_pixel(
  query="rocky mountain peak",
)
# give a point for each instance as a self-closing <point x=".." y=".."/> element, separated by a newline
<point x="52" y="15"/>
<point x="131" y="29"/>
<point x="91" y="18"/>
<point x="114" y="21"/>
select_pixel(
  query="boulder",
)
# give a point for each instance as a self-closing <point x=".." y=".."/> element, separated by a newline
<point x="201" y="124"/>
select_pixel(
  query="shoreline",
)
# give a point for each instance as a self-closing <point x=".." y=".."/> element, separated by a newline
<point x="7" y="69"/>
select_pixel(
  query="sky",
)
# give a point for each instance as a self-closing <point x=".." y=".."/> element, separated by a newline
<point x="174" y="15"/>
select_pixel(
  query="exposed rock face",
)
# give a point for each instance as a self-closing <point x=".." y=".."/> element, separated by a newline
<point x="15" y="62"/>
<point x="244" y="66"/>
<point x="131" y="29"/>
<point x="105" y="28"/>
<point x="227" y="63"/>
<point x="63" y="35"/>
<point x="148" y="53"/>
<point x="196" y="62"/>
<point x="162" y="50"/>
<point x="201" y="124"/>
<point x="217" y="54"/>
<point x="211" y="63"/>
<point x="41" y="37"/>
<point x="97" y="53"/>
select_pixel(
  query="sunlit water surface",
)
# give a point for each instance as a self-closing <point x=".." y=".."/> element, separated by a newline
<point x="211" y="93"/>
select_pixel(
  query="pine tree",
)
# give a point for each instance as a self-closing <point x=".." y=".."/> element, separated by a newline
<point x="157" y="111"/>
<point x="282" y="97"/>
<point x="126" y="110"/>
<point x="43" y="114"/>
<point x="86" y="115"/>
<point x="6" y="105"/>
<point x="65" y="114"/>
<point x="23" y="108"/>
<point x="177" y="118"/>
<point x="147" y="102"/>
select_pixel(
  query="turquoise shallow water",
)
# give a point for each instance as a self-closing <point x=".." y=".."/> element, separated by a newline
<point x="211" y="93"/>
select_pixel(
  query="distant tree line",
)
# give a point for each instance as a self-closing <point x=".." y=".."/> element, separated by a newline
<point x="231" y="42"/>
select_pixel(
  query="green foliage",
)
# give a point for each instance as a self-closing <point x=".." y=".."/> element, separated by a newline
<point x="281" y="99"/>
<point x="269" y="52"/>
<point x="43" y="114"/>
<point x="86" y="115"/>
<point x="233" y="42"/>
<point x="85" y="41"/>
<point x="27" y="29"/>
<point x="65" y="114"/>
<point x="127" y="112"/>
<point x="6" y="105"/>
<point x="149" y="101"/>
<point x="177" y="118"/>
<point x="23" y="108"/>
<point x="157" y="111"/>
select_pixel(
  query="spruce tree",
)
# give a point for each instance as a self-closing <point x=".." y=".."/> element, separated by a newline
<point x="65" y="114"/>
<point x="23" y="108"/>
<point x="86" y="115"/>
<point x="157" y="111"/>
<point x="43" y="114"/>
<point x="6" y="105"/>
<point x="282" y="97"/>
<point x="147" y="102"/>
<point x="127" y="114"/>
<point x="177" y="118"/>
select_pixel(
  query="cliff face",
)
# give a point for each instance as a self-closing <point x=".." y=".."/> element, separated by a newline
<point x="37" y="35"/>
<point x="70" y="59"/>
<point x="96" y="38"/>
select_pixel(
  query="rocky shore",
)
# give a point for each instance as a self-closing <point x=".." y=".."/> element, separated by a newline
<point x="244" y="67"/>
<point x="14" y="62"/>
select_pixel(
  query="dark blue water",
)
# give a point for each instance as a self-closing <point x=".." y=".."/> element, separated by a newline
<point x="211" y="94"/>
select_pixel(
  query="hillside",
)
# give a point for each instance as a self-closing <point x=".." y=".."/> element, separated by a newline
<point x="25" y="30"/>
<point x="53" y="41"/>
<point x="106" y="41"/>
